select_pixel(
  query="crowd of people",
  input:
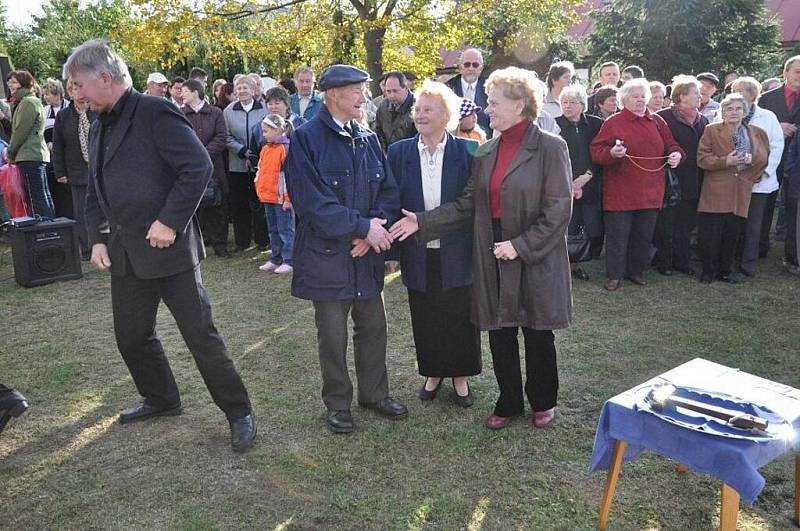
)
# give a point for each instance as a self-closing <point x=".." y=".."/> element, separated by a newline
<point x="486" y="191"/>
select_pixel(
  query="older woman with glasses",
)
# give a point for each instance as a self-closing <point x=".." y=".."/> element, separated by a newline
<point x="430" y="169"/>
<point x="633" y="146"/>
<point x="519" y="198"/>
<point x="734" y="155"/>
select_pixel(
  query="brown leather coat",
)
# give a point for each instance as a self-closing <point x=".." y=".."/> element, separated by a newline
<point x="534" y="289"/>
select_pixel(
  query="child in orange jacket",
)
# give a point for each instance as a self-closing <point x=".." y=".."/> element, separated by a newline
<point x="270" y="184"/>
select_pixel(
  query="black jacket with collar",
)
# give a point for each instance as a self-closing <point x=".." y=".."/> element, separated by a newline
<point x="153" y="168"/>
<point x="67" y="157"/>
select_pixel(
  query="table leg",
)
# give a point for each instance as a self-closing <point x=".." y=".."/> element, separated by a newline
<point x="797" y="490"/>
<point x="681" y="468"/>
<point x="611" y="484"/>
<point x="729" y="509"/>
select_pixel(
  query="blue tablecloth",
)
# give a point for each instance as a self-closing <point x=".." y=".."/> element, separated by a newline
<point x="733" y="461"/>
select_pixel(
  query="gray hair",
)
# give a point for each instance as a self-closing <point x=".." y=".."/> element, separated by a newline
<point x="733" y="97"/>
<point x="95" y="57"/>
<point x="631" y="85"/>
<point x="304" y="70"/>
<point x="575" y="91"/>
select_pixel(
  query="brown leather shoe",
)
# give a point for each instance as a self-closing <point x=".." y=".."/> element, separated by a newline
<point x="496" y="422"/>
<point x="544" y="418"/>
<point x="636" y="279"/>
<point x="611" y="284"/>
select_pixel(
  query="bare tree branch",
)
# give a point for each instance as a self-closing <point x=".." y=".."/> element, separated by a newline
<point x="244" y="13"/>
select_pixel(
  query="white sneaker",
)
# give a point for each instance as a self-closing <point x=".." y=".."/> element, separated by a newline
<point x="268" y="267"/>
<point x="283" y="269"/>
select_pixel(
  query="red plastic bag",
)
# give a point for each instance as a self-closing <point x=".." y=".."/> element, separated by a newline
<point x="15" y="194"/>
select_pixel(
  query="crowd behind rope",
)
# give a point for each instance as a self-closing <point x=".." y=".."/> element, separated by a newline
<point x="504" y="181"/>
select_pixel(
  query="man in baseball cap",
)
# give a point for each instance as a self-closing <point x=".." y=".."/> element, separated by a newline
<point x="157" y="84"/>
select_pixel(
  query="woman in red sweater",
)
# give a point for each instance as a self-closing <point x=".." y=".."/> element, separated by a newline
<point x="634" y="146"/>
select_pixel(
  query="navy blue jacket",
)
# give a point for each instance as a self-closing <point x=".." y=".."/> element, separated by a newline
<point x="456" y="247"/>
<point x="337" y="183"/>
<point x="314" y="105"/>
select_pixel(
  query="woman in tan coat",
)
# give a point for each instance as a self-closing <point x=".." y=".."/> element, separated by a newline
<point x="734" y="156"/>
<point x="520" y="200"/>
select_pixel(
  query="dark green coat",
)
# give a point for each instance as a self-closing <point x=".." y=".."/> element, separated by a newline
<point x="27" y="129"/>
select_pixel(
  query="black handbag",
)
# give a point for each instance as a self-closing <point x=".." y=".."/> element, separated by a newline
<point x="672" y="190"/>
<point x="212" y="196"/>
<point x="578" y="246"/>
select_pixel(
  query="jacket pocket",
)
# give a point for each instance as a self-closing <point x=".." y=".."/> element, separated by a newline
<point x="376" y="176"/>
<point x="326" y="266"/>
<point x="338" y="182"/>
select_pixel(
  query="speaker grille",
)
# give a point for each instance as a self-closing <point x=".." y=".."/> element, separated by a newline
<point x="50" y="258"/>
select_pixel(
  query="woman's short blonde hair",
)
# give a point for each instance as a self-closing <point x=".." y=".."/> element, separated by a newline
<point x="575" y="91"/>
<point x="657" y="85"/>
<point x="681" y="85"/>
<point x="630" y="86"/>
<point x="734" y="97"/>
<point x="749" y="85"/>
<point x="446" y="97"/>
<point x="53" y="86"/>
<point x="246" y="80"/>
<point x="519" y="84"/>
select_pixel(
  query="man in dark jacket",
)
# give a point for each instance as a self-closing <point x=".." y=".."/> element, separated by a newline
<point x="209" y="125"/>
<point x="784" y="101"/>
<point x="393" y="119"/>
<point x="469" y="83"/>
<point x="70" y="156"/>
<point x="147" y="173"/>
<point x="344" y="196"/>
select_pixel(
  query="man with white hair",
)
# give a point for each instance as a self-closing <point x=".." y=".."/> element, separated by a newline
<point x="307" y="102"/>
<point x="469" y="83"/>
<point x="147" y="174"/>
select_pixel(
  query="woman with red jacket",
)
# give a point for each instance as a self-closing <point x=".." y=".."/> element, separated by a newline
<point x="633" y="146"/>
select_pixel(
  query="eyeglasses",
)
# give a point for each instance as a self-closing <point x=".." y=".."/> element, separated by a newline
<point x="469" y="64"/>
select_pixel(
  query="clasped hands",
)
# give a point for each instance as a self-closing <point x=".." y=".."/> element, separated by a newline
<point x="379" y="239"/>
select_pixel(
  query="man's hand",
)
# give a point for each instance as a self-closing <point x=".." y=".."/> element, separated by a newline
<point x="377" y="237"/>
<point x="404" y="227"/>
<point x="360" y="248"/>
<point x="62" y="179"/>
<point x="391" y="266"/>
<point x="788" y="129"/>
<point x="100" y="258"/>
<point x="160" y="235"/>
<point x="674" y="159"/>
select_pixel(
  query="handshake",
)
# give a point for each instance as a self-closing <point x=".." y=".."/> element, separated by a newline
<point x="379" y="239"/>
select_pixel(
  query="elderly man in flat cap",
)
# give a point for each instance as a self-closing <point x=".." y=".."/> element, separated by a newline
<point x="344" y="197"/>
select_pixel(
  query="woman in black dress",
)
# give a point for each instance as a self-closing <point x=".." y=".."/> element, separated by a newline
<point x="432" y="168"/>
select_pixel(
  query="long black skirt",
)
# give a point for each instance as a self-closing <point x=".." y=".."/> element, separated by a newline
<point x="447" y="343"/>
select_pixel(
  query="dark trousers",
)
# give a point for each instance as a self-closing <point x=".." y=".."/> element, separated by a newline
<point x="60" y="193"/>
<point x="135" y="304"/>
<point x="369" y="346"/>
<point x="214" y="224"/>
<point x="673" y="233"/>
<point x="78" y="193"/>
<point x="247" y="212"/>
<point x="35" y="176"/>
<point x="790" y="245"/>
<point x="628" y="238"/>
<point x="753" y="236"/>
<point x="541" y="370"/>
<point x="717" y="236"/>
<point x="766" y="223"/>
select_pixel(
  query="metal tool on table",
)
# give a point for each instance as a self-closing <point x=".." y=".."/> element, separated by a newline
<point x="664" y="396"/>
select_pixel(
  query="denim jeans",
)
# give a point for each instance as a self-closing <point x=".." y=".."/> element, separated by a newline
<point x="281" y="233"/>
<point x="35" y="175"/>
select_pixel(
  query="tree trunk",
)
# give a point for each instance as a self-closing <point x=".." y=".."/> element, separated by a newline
<point x="373" y="42"/>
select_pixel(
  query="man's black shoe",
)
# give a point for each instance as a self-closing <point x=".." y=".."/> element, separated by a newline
<point x="12" y="404"/>
<point x="388" y="407"/>
<point x="341" y="421"/>
<point x="243" y="433"/>
<point x="145" y="411"/>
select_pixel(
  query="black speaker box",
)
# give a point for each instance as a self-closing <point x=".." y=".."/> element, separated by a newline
<point x="45" y="252"/>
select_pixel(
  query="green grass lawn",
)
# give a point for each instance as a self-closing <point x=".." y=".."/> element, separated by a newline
<point x="67" y="464"/>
